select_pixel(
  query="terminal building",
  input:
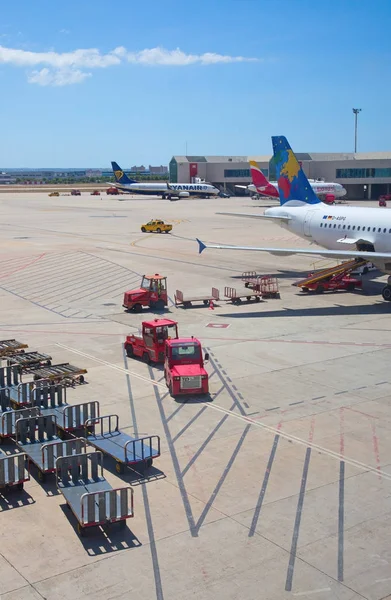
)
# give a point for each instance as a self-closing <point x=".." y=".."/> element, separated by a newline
<point x="364" y="175"/>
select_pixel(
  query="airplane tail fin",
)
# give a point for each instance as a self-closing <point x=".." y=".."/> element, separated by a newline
<point x="120" y="176"/>
<point x="293" y="185"/>
<point x="262" y="185"/>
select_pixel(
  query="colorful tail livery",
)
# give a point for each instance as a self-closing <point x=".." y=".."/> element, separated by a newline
<point x="293" y="185"/>
<point x="119" y="175"/>
<point x="261" y="183"/>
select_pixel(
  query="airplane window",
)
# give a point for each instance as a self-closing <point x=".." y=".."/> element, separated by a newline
<point x="348" y="226"/>
<point x="344" y="227"/>
<point x="354" y="227"/>
<point x="374" y="229"/>
<point x="335" y="225"/>
<point x="321" y="224"/>
<point x="384" y="230"/>
<point x="339" y="226"/>
<point x="358" y="228"/>
<point x="379" y="230"/>
<point x="389" y="231"/>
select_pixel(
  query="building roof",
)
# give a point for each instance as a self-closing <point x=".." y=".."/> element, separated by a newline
<point x="317" y="156"/>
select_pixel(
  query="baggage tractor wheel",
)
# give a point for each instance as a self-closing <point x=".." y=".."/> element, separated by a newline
<point x="137" y="308"/>
<point x="146" y="358"/>
<point x="129" y="351"/>
<point x="119" y="467"/>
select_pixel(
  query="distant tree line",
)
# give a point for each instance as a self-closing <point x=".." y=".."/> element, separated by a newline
<point x="75" y="180"/>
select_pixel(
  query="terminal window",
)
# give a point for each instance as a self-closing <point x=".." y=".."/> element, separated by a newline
<point x="362" y="173"/>
<point x="241" y="172"/>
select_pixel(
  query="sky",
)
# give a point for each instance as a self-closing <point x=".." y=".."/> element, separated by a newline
<point x="85" y="83"/>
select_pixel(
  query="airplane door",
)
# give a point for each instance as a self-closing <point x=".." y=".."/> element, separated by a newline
<point x="307" y="223"/>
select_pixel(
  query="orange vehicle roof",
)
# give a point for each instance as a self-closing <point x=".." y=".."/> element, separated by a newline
<point x="159" y="323"/>
<point x="156" y="276"/>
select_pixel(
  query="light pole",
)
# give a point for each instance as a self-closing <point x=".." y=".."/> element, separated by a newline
<point x="355" y="111"/>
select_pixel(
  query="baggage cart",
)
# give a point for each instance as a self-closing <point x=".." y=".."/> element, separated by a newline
<point x="23" y="394"/>
<point x="10" y="347"/>
<point x="13" y="471"/>
<point x="36" y="436"/>
<point x="186" y="302"/>
<point x="29" y="361"/>
<point x="61" y="373"/>
<point x="89" y="495"/>
<point x="9" y="376"/>
<point x="124" y="449"/>
<point x="265" y="284"/>
<point x="8" y="421"/>
<point x="231" y="295"/>
<point x="51" y="400"/>
<point x="5" y="400"/>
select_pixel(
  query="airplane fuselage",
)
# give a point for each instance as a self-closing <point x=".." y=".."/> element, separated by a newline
<point x="320" y="188"/>
<point x="340" y="227"/>
<point x="157" y="189"/>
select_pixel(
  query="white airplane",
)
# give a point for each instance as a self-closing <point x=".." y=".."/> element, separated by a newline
<point x="342" y="231"/>
<point x="165" y="190"/>
<point x="260" y="185"/>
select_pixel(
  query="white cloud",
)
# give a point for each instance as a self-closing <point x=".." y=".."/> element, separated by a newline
<point x="57" y="77"/>
<point x="65" y="68"/>
<point x="64" y="31"/>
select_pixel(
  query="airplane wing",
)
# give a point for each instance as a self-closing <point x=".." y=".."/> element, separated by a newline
<point x="303" y="251"/>
<point x="242" y="187"/>
<point x="256" y="216"/>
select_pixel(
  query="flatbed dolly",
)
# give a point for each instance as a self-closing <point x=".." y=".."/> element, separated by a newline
<point x="13" y="471"/>
<point x="10" y="347"/>
<point x="120" y="446"/>
<point x="36" y="437"/>
<point x="64" y="372"/>
<point x="51" y="400"/>
<point x="29" y="361"/>
<point x="8" y="421"/>
<point x="231" y="295"/>
<point x="89" y="495"/>
<point x="187" y="302"/>
<point x="266" y="285"/>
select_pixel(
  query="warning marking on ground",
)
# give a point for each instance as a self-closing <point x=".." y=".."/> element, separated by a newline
<point x="218" y="325"/>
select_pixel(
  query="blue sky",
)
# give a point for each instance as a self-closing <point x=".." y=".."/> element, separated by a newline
<point x="84" y="83"/>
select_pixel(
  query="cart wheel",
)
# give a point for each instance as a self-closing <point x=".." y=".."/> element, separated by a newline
<point x="248" y="298"/>
<point x="305" y="290"/>
<point x="186" y="304"/>
<point x="20" y="486"/>
<point x="257" y="299"/>
<point x="146" y="358"/>
<point x="80" y="530"/>
<point x="206" y="302"/>
<point x="320" y="289"/>
<point x="148" y="463"/>
<point x="41" y="476"/>
<point x="81" y="379"/>
<point x="119" y="467"/>
<point x="129" y="351"/>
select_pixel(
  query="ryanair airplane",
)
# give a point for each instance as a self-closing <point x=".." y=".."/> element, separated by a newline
<point x="165" y="190"/>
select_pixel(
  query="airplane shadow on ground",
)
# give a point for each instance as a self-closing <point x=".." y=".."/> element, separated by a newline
<point x="380" y="308"/>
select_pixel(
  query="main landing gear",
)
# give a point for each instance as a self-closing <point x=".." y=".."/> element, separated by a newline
<point x="386" y="293"/>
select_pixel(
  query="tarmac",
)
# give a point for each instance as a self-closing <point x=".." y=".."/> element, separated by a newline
<point x="276" y="486"/>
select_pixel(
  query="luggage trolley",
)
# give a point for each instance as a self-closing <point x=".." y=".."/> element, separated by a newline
<point x="9" y="347"/>
<point x="29" y="361"/>
<point x="36" y="436"/>
<point x="61" y="373"/>
<point x="123" y="448"/>
<point x="51" y="400"/>
<point x="89" y="495"/>
<point x="13" y="472"/>
<point x="8" y="421"/>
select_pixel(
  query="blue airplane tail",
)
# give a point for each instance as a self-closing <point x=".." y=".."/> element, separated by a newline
<point x="293" y="186"/>
<point x="119" y="175"/>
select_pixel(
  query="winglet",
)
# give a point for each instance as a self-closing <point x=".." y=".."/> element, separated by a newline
<point x="201" y="246"/>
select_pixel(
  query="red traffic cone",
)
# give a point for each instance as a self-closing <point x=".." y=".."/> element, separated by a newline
<point x="211" y="305"/>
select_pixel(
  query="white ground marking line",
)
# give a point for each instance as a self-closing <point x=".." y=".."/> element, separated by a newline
<point x="381" y="580"/>
<point x="312" y="592"/>
<point x="259" y="424"/>
<point x="112" y="366"/>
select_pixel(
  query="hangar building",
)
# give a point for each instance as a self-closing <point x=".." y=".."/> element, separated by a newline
<point x="365" y="175"/>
